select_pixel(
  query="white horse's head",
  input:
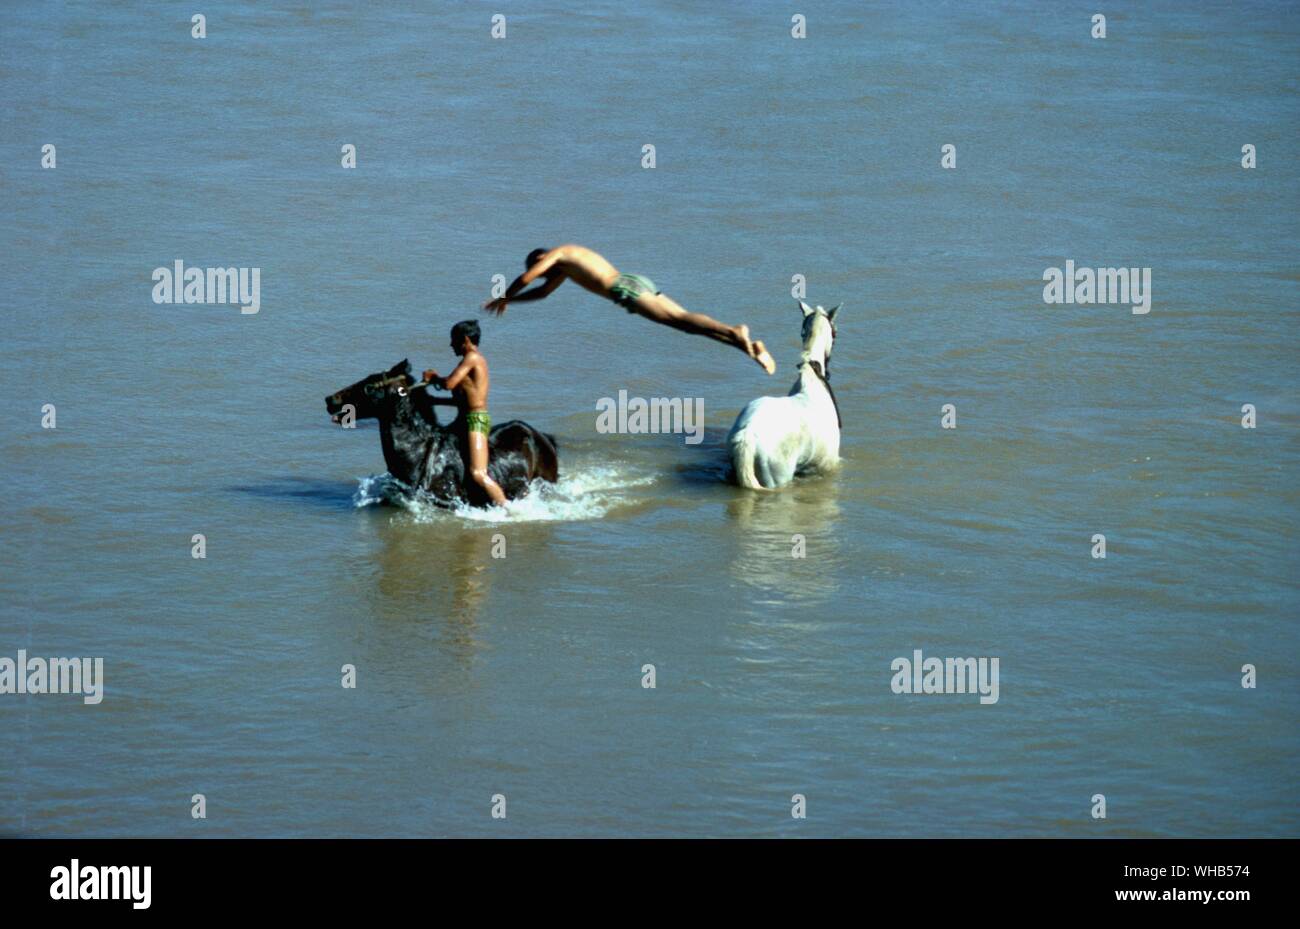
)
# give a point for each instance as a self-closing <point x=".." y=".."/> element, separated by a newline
<point x="818" y="335"/>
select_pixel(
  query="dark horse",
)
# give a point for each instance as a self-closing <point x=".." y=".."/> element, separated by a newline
<point x="427" y="455"/>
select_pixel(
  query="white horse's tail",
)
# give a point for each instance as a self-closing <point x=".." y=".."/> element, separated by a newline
<point x="743" y="456"/>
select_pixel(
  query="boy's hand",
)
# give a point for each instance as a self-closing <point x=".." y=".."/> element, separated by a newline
<point x="430" y="376"/>
<point x="497" y="306"/>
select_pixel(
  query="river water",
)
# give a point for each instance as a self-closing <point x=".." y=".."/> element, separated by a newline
<point x="522" y="676"/>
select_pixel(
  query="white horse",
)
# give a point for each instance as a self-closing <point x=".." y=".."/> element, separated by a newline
<point x="775" y="438"/>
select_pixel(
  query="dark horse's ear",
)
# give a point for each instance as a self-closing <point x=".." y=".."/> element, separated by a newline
<point x="402" y="367"/>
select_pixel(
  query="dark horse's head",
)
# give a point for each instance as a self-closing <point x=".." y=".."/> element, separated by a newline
<point x="366" y="395"/>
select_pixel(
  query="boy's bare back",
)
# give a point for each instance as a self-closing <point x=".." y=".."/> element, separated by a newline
<point x="474" y="385"/>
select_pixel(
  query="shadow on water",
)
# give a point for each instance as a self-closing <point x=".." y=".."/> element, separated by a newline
<point x="787" y="539"/>
<point x="441" y="573"/>
<point x="332" y="495"/>
<point x="706" y="462"/>
<point x="429" y="572"/>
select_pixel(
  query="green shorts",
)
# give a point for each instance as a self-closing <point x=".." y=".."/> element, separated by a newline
<point x="478" y="421"/>
<point x="628" y="287"/>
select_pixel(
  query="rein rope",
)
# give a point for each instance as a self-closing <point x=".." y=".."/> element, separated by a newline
<point x="402" y="389"/>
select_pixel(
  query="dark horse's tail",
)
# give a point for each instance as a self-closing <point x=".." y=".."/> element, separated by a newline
<point x="548" y="459"/>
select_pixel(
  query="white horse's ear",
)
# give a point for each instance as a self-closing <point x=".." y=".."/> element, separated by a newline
<point x="807" y="310"/>
<point x="834" y="310"/>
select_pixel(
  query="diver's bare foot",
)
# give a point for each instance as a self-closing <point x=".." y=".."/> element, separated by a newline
<point x="756" y="350"/>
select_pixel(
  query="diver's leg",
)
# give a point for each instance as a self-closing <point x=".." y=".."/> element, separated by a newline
<point x="662" y="309"/>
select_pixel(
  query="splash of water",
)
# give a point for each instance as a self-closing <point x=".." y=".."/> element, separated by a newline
<point x="585" y="493"/>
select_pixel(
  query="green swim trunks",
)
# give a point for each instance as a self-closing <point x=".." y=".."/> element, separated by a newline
<point x="628" y="287"/>
<point x="478" y="421"/>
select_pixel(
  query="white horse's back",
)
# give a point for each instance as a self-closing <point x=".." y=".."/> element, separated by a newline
<point x="775" y="438"/>
<point x="762" y="440"/>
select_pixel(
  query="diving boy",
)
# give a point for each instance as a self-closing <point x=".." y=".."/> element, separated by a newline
<point x="633" y="292"/>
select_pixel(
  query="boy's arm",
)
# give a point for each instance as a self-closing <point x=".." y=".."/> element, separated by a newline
<point x="452" y="380"/>
<point x="543" y="264"/>
<point x="536" y="293"/>
<point x="434" y="379"/>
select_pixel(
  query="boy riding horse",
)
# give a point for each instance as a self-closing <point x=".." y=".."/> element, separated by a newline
<point x="469" y="384"/>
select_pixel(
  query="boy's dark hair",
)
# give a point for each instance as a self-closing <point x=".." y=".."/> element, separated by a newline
<point x="466" y="329"/>
<point x="534" y="256"/>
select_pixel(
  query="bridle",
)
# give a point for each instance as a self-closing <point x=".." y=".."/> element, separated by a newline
<point x="400" y="381"/>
